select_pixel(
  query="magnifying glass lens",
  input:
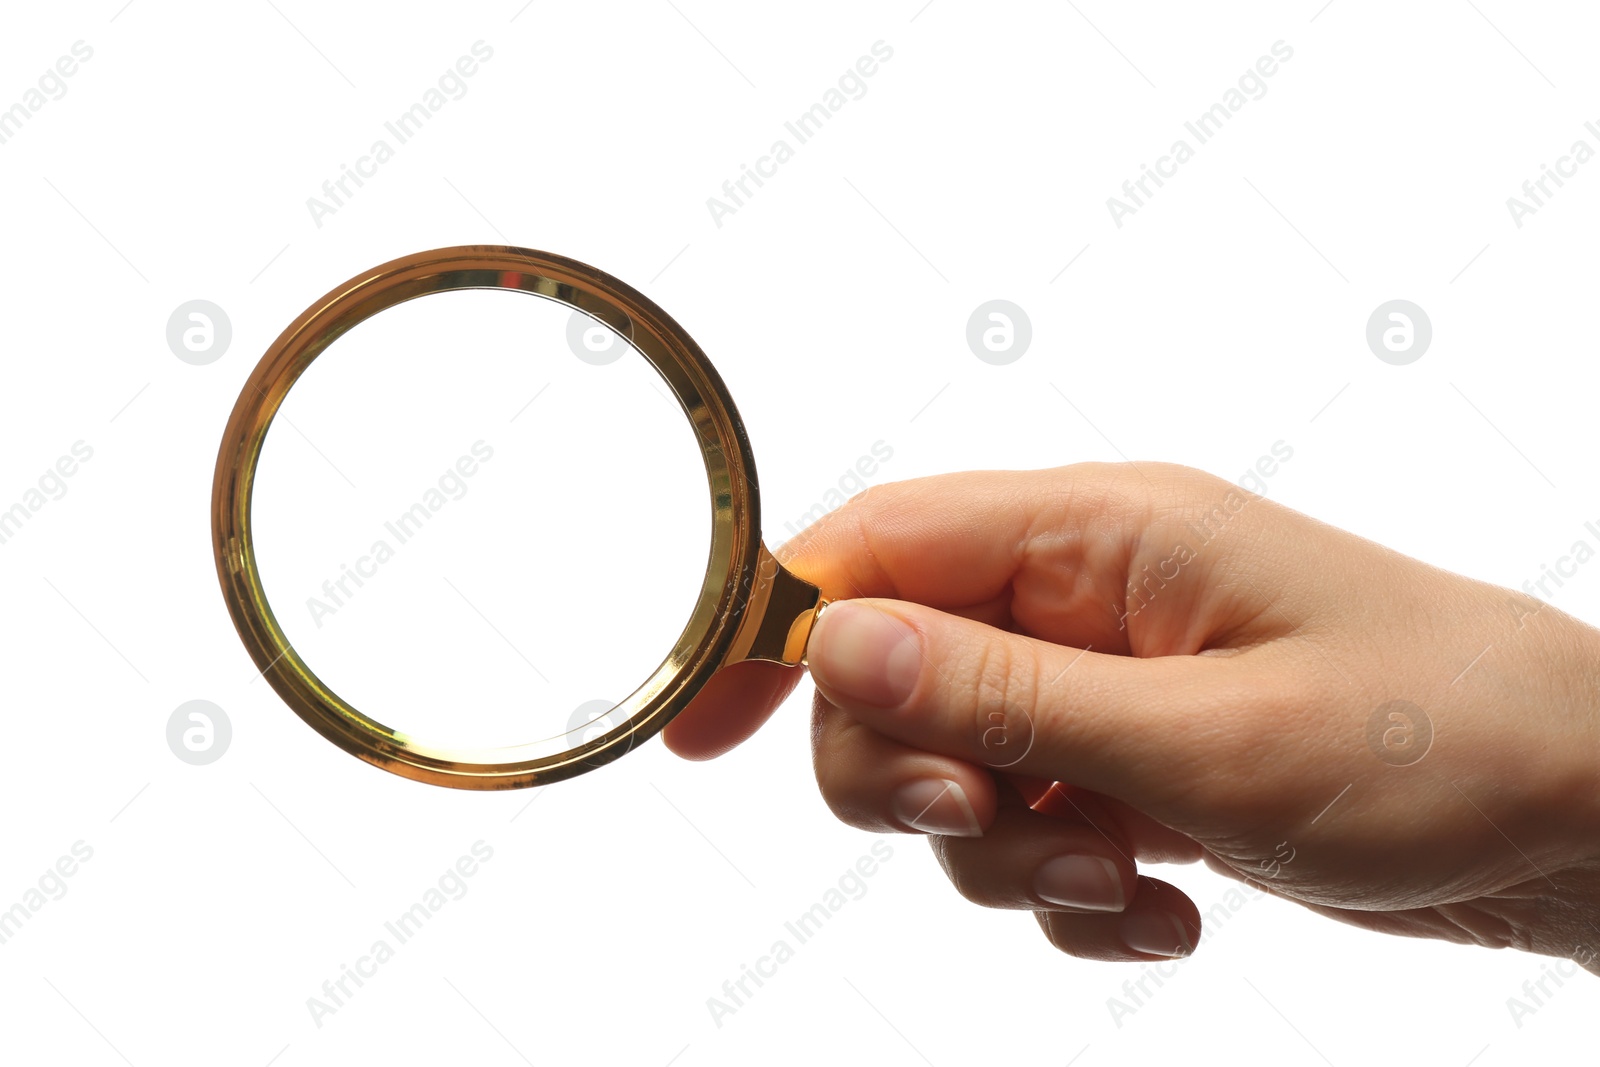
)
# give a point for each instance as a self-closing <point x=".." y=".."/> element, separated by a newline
<point x="482" y="518"/>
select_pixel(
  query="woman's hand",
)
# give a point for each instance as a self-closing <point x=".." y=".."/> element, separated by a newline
<point x="1208" y="675"/>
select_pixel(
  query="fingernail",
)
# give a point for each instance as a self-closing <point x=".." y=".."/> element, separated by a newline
<point x="864" y="654"/>
<point x="935" y="806"/>
<point x="1158" y="933"/>
<point x="1088" y="882"/>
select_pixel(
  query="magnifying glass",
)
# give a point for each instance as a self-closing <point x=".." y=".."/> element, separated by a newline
<point x="748" y="606"/>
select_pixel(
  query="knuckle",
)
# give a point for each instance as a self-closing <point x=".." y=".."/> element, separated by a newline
<point x="861" y="511"/>
<point x="846" y="802"/>
<point x="1000" y="685"/>
<point x="1056" y="932"/>
<point x="832" y="737"/>
<point x="969" y="878"/>
<point x="870" y="497"/>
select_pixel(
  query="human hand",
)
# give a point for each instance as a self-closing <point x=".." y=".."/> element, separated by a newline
<point x="1212" y="676"/>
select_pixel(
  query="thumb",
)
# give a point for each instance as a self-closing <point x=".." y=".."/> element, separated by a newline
<point x="1142" y="730"/>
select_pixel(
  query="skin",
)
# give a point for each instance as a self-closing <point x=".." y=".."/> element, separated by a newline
<point x="994" y="633"/>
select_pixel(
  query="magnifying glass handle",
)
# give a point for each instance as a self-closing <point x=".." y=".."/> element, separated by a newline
<point x="779" y="612"/>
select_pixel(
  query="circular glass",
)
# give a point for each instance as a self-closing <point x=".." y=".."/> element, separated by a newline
<point x="748" y="606"/>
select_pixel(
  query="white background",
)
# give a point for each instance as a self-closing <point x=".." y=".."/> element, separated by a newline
<point x="1227" y="314"/>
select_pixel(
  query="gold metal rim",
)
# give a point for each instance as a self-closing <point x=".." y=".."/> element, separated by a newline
<point x="748" y="606"/>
